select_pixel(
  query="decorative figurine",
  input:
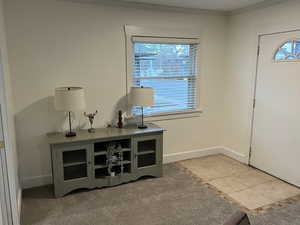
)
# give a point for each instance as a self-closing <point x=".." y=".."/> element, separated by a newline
<point x="120" y="119"/>
<point x="114" y="158"/>
<point x="91" y="117"/>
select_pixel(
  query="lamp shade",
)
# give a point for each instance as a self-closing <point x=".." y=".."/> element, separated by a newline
<point x="142" y="96"/>
<point x="69" y="99"/>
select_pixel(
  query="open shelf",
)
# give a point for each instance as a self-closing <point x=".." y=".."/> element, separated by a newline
<point x="120" y="149"/>
<point x="100" y="160"/>
<point x="100" y="166"/>
<point x="100" y="153"/>
<point x="127" y="156"/>
<point x="101" y="147"/>
<point x="125" y="144"/>
<point x="116" y="169"/>
<point x="120" y="163"/>
<point x="126" y="162"/>
<point x="101" y="173"/>
<point x="127" y="168"/>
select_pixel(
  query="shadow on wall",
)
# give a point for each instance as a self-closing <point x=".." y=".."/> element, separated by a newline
<point x="32" y="125"/>
<point x="122" y="105"/>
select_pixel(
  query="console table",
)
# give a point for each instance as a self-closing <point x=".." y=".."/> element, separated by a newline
<point x="108" y="157"/>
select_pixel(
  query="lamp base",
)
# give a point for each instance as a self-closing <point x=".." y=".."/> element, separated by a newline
<point x="70" y="134"/>
<point x="142" y="127"/>
<point x="92" y="130"/>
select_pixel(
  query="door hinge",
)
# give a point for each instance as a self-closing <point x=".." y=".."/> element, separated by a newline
<point x="258" y="50"/>
<point x="2" y="144"/>
<point x="254" y="103"/>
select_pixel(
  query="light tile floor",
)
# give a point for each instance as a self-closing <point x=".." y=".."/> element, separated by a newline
<point x="248" y="186"/>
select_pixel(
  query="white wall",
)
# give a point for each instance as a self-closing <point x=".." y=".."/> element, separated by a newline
<point x="9" y="125"/>
<point x="53" y="43"/>
<point x="241" y="54"/>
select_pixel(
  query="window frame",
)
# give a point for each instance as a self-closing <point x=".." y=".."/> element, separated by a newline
<point x="168" y="36"/>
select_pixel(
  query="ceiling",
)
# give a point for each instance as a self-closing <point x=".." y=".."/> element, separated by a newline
<point x="224" y="5"/>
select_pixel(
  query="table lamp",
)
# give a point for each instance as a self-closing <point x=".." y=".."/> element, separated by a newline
<point x="142" y="96"/>
<point x="69" y="99"/>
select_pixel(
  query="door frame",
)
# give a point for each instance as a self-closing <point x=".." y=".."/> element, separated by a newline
<point x="13" y="202"/>
<point x="5" y="206"/>
<point x="260" y="35"/>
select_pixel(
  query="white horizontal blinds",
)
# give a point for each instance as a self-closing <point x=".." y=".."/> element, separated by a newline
<point x="161" y="40"/>
<point x="170" y="69"/>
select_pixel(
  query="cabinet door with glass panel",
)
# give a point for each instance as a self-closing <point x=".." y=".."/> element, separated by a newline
<point x="148" y="153"/>
<point x="74" y="165"/>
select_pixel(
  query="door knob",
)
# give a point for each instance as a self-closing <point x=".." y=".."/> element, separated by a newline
<point x="2" y="145"/>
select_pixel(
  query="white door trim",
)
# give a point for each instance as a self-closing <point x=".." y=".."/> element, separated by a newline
<point x="5" y="207"/>
<point x="1" y="216"/>
<point x="9" y="170"/>
<point x="253" y="101"/>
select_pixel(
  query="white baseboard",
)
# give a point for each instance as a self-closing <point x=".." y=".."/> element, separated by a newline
<point x="42" y="180"/>
<point x="36" y="181"/>
<point x="19" y="199"/>
<point x="174" y="157"/>
<point x="235" y="155"/>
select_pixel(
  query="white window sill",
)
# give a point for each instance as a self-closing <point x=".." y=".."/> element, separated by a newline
<point x="173" y="115"/>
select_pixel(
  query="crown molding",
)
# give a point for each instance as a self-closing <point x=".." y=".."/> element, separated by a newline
<point x="149" y="6"/>
<point x="260" y="5"/>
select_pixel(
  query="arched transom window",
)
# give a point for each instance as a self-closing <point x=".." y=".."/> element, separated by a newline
<point x="289" y="51"/>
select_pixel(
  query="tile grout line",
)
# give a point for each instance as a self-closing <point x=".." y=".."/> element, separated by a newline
<point x="270" y="179"/>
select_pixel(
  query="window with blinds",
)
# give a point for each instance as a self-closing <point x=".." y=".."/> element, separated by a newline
<point x="170" y="69"/>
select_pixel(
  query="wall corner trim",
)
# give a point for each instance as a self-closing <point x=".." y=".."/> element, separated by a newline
<point x="235" y="155"/>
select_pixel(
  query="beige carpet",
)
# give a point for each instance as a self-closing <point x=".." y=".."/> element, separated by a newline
<point x="175" y="199"/>
<point x="247" y="186"/>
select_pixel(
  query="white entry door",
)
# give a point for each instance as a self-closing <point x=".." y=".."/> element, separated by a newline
<point x="276" y="125"/>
